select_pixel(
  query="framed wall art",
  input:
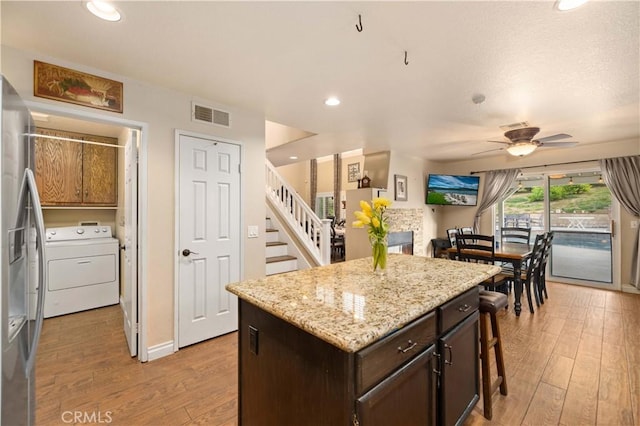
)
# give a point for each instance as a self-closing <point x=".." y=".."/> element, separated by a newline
<point x="353" y="172"/>
<point x="76" y="87"/>
<point x="400" y="186"/>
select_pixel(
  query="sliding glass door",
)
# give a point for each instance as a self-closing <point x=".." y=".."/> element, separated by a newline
<point x="580" y="214"/>
<point x="580" y="210"/>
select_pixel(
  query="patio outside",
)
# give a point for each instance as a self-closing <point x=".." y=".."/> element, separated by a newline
<point x="579" y="215"/>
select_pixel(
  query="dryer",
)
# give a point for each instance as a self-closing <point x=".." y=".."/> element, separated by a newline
<point x="82" y="269"/>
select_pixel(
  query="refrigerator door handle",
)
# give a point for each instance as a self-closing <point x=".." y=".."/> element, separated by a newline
<point x="29" y="189"/>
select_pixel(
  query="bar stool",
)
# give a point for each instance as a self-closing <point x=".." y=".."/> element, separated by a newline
<point x="491" y="302"/>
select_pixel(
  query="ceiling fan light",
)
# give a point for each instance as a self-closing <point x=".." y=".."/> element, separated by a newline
<point x="520" y="149"/>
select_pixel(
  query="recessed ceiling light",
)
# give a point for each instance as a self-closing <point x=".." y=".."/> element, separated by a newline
<point x="103" y="10"/>
<point x="569" y="4"/>
<point x="332" y="101"/>
<point x="293" y="157"/>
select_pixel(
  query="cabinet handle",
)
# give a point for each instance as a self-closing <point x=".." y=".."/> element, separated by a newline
<point x="450" y="348"/>
<point x="408" y="348"/>
<point x="435" y="370"/>
<point x="86" y="192"/>
<point x="77" y="192"/>
<point x="464" y="308"/>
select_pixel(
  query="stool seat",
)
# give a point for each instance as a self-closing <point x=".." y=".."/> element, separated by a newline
<point x="491" y="302"/>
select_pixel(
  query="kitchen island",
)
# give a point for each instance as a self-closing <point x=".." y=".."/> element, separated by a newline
<point x="340" y="344"/>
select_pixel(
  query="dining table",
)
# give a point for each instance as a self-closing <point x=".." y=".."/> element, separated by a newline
<point x="515" y="254"/>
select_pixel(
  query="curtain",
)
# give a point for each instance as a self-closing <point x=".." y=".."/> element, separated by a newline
<point x="497" y="185"/>
<point x="313" y="183"/>
<point x="337" y="185"/>
<point x="622" y="177"/>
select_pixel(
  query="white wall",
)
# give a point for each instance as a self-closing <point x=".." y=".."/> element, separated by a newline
<point x="164" y="111"/>
<point x="297" y="175"/>
<point x="325" y="176"/>
<point x="414" y="169"/>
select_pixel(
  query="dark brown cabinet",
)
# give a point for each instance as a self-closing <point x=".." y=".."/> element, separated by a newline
<point x="458" y="386"/>
<point x="406" y="397"/>
<point x="425" y="373"/>
<point x="73" y="173"/>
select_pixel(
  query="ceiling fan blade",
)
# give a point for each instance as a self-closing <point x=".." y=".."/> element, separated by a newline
<point x="490" y="150"/>
<point x="504" y="142"/>
<point x="554" y="137"/>
<point x="563" y="144"/>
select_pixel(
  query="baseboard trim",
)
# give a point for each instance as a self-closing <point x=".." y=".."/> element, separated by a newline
<point x="161" y="350"/>
<point x="628" y="288"/>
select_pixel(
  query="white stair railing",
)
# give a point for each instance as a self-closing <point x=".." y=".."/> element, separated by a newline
<point x="312" y="232"/>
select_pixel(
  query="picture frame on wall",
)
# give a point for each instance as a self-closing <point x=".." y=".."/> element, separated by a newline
<point x="400" y="187"/>
<point x="353" y="172"/>
<point x="76" y="87"/>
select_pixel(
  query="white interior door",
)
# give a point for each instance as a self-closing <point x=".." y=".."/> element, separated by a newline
<point x="130" y="284"/>
<point x="208" y="238"/>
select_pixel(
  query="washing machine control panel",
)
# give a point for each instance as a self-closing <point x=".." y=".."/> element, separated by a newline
<point x="78" y="232"/>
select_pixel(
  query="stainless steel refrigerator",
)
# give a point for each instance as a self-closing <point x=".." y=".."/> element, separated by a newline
<point x="21" y="233"/>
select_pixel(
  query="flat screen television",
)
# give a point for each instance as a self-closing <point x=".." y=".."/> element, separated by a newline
<point x="452" y="190"/>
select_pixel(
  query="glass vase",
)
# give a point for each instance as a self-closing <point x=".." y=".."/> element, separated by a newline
<point x="379" y="251"/>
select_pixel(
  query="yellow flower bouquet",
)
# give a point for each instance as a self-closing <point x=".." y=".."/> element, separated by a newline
<point x="372" y="216"/>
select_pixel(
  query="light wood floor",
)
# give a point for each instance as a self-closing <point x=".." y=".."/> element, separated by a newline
<point x="576" y="361"/>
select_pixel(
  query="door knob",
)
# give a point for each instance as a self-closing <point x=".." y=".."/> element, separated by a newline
<point x="187" y="252"/>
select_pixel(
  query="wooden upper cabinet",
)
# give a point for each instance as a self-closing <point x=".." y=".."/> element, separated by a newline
<point x="99" y="168"/>
<point x="73" y="173"/>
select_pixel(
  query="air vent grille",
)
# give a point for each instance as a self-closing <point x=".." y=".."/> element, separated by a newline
<point x="221" y="118"/>
<point x="513" y="126"/>
<point x="201" y="113"/>
<point x="205" y="114"/>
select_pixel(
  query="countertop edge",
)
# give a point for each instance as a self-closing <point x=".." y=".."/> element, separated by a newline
<point x="353" y="343"/>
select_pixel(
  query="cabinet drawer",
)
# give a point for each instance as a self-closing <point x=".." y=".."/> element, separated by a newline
<point x="454" y="311"/>
<point x="375" y="362"/>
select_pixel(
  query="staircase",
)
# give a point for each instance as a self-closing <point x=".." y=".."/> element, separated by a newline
<point x="303" y="224"/>
<point x="278" y="258"/>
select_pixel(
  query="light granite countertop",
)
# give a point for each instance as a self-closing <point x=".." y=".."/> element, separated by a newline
<point x="350" y="306"/>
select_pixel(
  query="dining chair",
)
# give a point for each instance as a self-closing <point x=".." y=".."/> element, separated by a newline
<point x="451" y="234"/>
<point x="479" y="248"/>
<point x="542" y="282"/>
<point x="337" y="243"/>
<point x="530" y="275"/>
<point x="466" y="230"/>
<point x="515" y="235"/>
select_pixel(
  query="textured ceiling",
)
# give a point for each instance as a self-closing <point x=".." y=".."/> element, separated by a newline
<point x="571" y="72"/>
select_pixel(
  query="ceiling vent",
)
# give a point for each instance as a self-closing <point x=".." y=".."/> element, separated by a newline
<point x="206" y="114"/>
<point x="514" y="126"/>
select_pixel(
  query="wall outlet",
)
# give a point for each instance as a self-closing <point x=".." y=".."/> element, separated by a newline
<point x="252" y="231"/>
<point x="634" y="224"/>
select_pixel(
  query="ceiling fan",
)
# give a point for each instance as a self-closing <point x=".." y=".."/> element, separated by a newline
<point x="520" y="141"/>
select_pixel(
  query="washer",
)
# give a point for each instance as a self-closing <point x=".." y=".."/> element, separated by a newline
<point x="82" y="269"/>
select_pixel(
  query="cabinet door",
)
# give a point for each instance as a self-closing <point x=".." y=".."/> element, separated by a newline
<point x="99" y="174"/>
<point x="58" y="170"/>
<point x="407" y="397"/>
<point x="459" y="383"/>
